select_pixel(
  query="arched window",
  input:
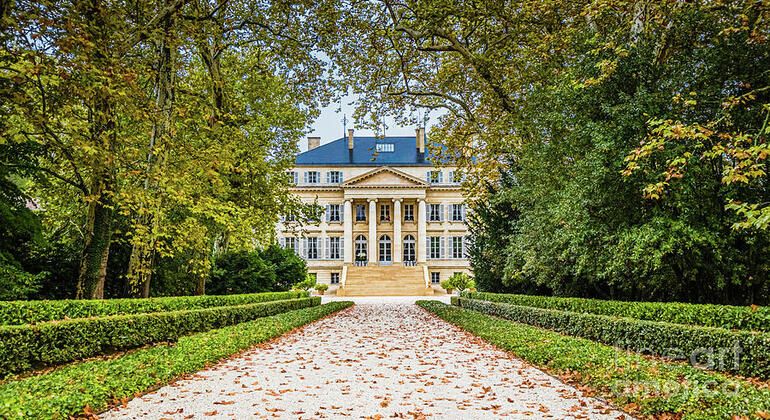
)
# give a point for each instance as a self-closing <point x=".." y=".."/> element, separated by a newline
<point x="385" y="249"/>
<point x="409" y="249"/>
<point x="360" y="248"/>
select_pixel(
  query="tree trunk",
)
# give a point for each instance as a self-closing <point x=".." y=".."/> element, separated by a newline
<point x="93" y="265"/>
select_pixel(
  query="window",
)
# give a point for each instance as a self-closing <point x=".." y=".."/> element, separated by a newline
<point x="409" y="254"/>
<point x="312" y="248"/>
<point x="360" y="248"/>
<point x="409" y="212"/>
<point x="293" y="176"/>
<point x="435" y="277"/>
<point x="333" y="177"/>
<point x="457" y="247"/>
<point x="386" y="147"/>
<point x="333" y="213"/>
<point x="311" y="177"/>
<point x="455" y="177"/>
<point x="335" y="278"/>
<point x="360" y="212"/>
<point x="458" y="212"/>
<point x="290" y="217"/>
<point x="435" y="213"/>
<point x="434" y="246"/>
<point x="385" y="249"/>
<point x="335" y="248"/>
<point x="385" y="213"/>
<point x="291" y="243"/>
<point x="435" y="177"/>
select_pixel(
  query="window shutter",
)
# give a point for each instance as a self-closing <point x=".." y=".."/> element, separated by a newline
<point x="327" y="248"/>
<point x="303" y="248"/>
<point x="440" y="177"/>
<point x="462" y="211"/>
<point x="328" y="213"/>
<point x="441" y="217"/>
<point x="465" y="246"/>
<point x="442" y="248"/>
<point x="341" y="177"/>
<point x="342" y="212"/>
<point x="282" y="241"/>
<point x="452" y="176"/>
<point x="342" y="248"/>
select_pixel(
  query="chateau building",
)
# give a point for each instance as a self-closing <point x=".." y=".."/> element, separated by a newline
<point x="393" y="223"/>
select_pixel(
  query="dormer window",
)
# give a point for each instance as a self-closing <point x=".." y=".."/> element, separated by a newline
<point x="386" y="147"/>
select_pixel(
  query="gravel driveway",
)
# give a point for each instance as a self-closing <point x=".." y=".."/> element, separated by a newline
<point x="375" y="360"/>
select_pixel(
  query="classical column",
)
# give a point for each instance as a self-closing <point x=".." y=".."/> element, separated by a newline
<point x="348" y="232"/>
<point x="422" y="232"/>
<point x="372" y="230"/>
<point x="397" y="253"/>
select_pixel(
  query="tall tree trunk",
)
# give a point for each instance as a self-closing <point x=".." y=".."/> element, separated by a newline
<point x="140" y="267"/>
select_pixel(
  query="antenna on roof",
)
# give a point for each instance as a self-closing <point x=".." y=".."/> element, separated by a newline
<point x="344" y="125"/>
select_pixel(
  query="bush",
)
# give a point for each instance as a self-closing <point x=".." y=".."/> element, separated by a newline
<point x="307" y="284"/>
<point x="321" y="287"/>
<point x="27" y="312"/>
<point x="644" y="387"/>
<point x="719" y="316"/>
<point x="67" y="391"/>
<point x="287" y="264"/>
<point x="743" y="352"/>
<point x="459" y="282"/>
<point x="241" y="272"/>
<point x="23" y="347"/>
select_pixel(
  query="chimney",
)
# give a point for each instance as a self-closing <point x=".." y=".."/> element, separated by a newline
<point x="420" y="136"/>
<point x="313" y="142"/>
<point x="350" y="139"/>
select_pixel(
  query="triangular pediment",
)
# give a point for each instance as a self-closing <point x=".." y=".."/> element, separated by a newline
<point x="385" y="177"/>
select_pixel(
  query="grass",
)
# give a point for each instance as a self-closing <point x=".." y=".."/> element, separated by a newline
<point x="639" y="385"/>
<point x="92" y="386"/>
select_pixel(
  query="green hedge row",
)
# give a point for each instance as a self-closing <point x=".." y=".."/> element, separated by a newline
<point x="66" y="392"/>
<point x="718" y="316"/>
<point x="24" y="347"/>
<point x="743" y="352"/>
<point x="644" y="387"/>
<point x="28" y="312"/>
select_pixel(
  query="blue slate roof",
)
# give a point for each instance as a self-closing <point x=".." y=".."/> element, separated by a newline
<point x="365" y="153"/>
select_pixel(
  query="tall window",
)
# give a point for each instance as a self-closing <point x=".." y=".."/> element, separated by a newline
<point x="458" y="212"/>
<point x="457" y="247"/>
<point x="291" y="243"/>
<point x="293" y="175"/>
<point x="333" y="177"/>
<point x="434" y="212"/>
<point x="335" y="252"/>
<point x="435" y="177"/>
<point x="311" y="177"/>
<point x="434" y="246"/>
<point x="409" y="212"/>
<point x="312" y="248"/>
<point x="435" y="277"/>
<point x="455" y="177"/>
<point x="360" y="212"/>
<point x="335" y="278"/>
<point x="385" y="249"/>
<point x="409" y="254"/>
<point x="333" y="213"/>
<point x="385" y="213"/>
<point x="360" y="248"/>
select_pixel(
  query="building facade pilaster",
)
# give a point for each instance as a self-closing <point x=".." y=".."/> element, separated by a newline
<point x="348" y="231"/>
<point x="422" y="231"/>
<point x="397" y="240"/>
<point x="372" y="230"/>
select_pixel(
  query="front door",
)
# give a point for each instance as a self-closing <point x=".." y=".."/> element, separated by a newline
<point x="386" y="255"/>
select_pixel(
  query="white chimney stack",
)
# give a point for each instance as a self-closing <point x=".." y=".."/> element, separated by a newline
<point x="350" y="139"/>
<point x="420" y="136"/>
<point x="313" y="142"/>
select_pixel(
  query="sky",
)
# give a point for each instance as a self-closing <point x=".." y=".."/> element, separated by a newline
<point x="329" y="126"/>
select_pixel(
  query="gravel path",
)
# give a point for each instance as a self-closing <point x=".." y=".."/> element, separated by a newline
<point x="374" y="361"/>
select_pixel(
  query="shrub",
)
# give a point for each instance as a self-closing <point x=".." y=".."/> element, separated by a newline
<point x="743" y="352"/>
<point x="241" y="272"/>
<point x="26" y="312"/>
<point x="307" y="284"/>
<point x="287" y="264"/>
<point x="23" y="347"/>
<point x="67" y="391"/>
<point x="649" y="388"/>
<point x="719" y="316"/>
<point x="321" y="287"/>
<point x="459" y="282"/>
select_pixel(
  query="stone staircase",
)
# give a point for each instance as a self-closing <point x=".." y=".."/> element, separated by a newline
<point x="385" y="280"/>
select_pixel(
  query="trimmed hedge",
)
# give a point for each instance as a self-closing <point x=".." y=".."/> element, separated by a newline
<point x="645" y="387"/>
<point x="716" y="346"/>
<point x="29" y="312"/>
<point x="718" y="316"/>
<point x="67" y="391"/>
<point x="24" y="347"/>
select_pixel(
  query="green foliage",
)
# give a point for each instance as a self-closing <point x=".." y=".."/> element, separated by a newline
<point x="24" y="347"/>
<point x="287" y="264"/>
<point x="717" y="316"/>
<point x="241" y="272"/>
<point x="321" y="287"/>
<point x="67" y="391"/>
<point x="459" y="282"/>
<point x="30" y="312"/>
<point x="310" y="282"/>
<point x="642" y="386"/>
<point x="742" y="352"/>
<point x="17" y="283"/>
